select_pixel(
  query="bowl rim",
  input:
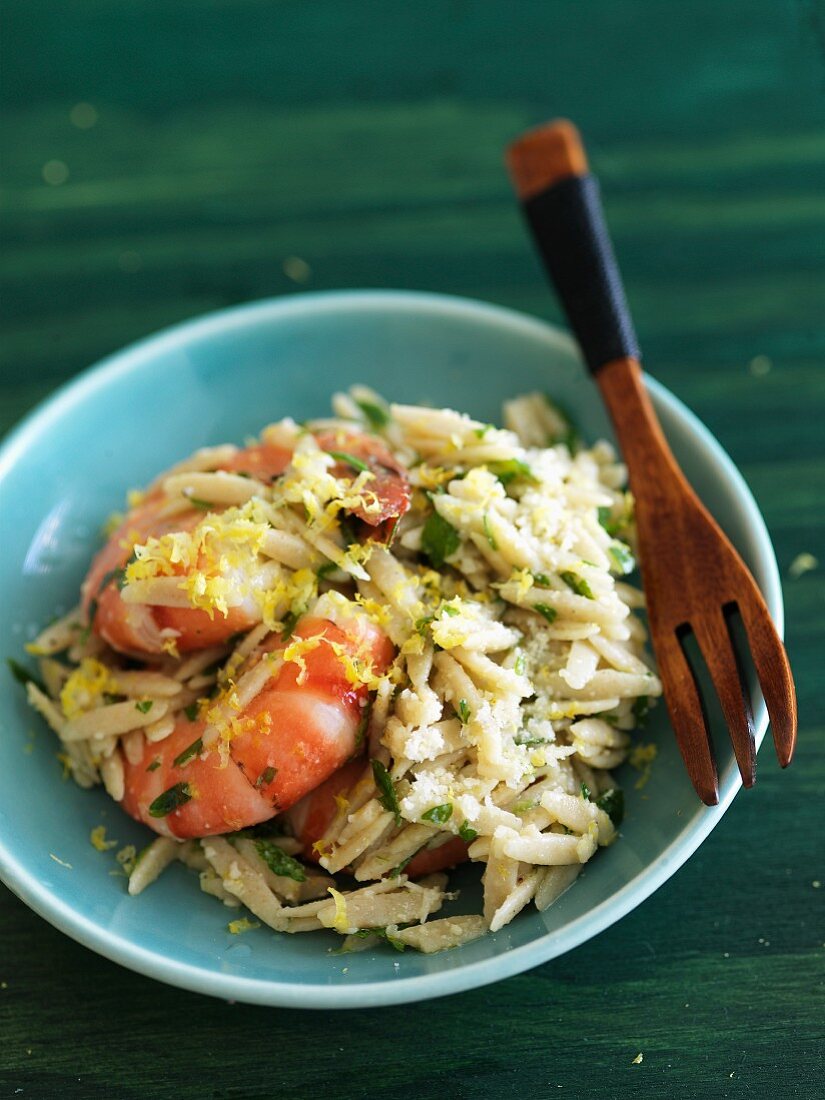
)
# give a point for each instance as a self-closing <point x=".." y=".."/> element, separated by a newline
<point x="266" y="991"/>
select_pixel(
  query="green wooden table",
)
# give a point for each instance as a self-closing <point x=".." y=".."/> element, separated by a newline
<point x="162" y="159"/>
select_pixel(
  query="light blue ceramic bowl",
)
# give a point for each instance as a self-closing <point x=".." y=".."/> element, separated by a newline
<point x="221" y="378"/>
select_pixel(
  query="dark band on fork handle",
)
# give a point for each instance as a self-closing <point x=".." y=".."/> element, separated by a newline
<point x="561" y="202"/>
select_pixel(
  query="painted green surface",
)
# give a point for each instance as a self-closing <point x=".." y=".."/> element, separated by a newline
<point x="365" y="138"/>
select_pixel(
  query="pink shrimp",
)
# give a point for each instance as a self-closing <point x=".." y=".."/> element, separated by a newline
<point x="310" y="818"/>
<point x="139" y="629"/>
<point x="293" y="735"/>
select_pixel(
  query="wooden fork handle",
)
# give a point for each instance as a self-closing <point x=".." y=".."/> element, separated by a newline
<point x="561" y="202"/>
<point x="560" y="199"/>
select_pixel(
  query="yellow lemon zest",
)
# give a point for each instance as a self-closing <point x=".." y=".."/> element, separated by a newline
<point x="85" y="688"/>
<point x="243" y="924"/>
<point x="98" y="840"/>
<point x="641" y="757"/>
<point x="340" y="924"/>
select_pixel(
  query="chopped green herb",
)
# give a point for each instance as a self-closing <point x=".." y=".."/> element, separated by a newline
<point x="87" y="629"/>
<point x="463" y="710"/>
<point x="349" y="460"/>
<point x="422" y="624"/>
<point x="289" y="623"/>
<point x="117" y="575"/>
<point x="204" y="505"/>
<point x="546" y="611"/>
<point x="171" y="799"/>
<point x="387" y="796"/>
<point x="585" y="792"/>
<point x="363" y="726"/>
<point x="480" y="433"/>
<point x="23" y="676"/>
<point x="348" y="530"/>
<point x="325" y="570"/>
<point x="191" y="712"/>
<point x="279" y="862"/>
<point x="144" y="705"/>
<point x="520" y="664"/>
<point x="447" y="609"/>
<point x="401" y="867"/>
<point x="377" y="416"/>
<point x="640" y="708"/>
<point x="153" y="767"/>
<point x="510" y="469"/>
<point x="541" y="580"/>
<point x="439" y="814"/>
<point x="439" y="539"/>
<point x="622" y="556"/>
<point x="266" y="777"/>
<point x="467" y="832"/>
<point x="578" y="584"/>
<point x="612" y="802"/>
<point x="490" y="536"/>
<point x="525" y="805"/>
<point x="605" y="515"/>
<point x="381" y="934"/>
<point x="524" y="738"/>
<point x="189" y="753"/>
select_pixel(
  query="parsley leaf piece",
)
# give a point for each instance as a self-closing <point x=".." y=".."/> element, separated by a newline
<point x="381" y="934"/>
<point x="171" y="799"/>
<point x="266" y="777"/>
<point x="511" y="469"/>
<point x="23" y="676"/>
<point x="446" y="609"/>
<point x="117" y="575"/>
<point x="541" y="580"/>
<point x="376" y="416"/>
<point x="640" y="708"/>
<point x="363" y="726"/>
<point x="422" y="624"/>
<point x="439" y="814"/>
<point x="387" y="796"/>
<point x="491" y="538"/>
<point x="622" y="556"/>
<point x="524" y="739"/>
<point x="189" y="753"/>
<point x="439" y="539"/>
<point x="467" y="832"/>
<point x="144" y="705"/>
<point x="325" y="570"/>
<point x="401" y="867"/>
<point x="349" y="460"/>
<point x="578" y="584"/>
<point x="87" y="629"/>
<point x="279" y="862"/>
<point x="546" y="611"/>
<point x="612" y="802"/>
<point x="463" y="710"/>
<point x="520" y="665"/>
<point x="585" y="792"/>
<point x="191" y="712"/>
<point x="204" y="505"/>
<point x="153" y="767"/>
<point x="289" y="623"/>
<point x="480" y="433"/>
<point x="605" y="515"/>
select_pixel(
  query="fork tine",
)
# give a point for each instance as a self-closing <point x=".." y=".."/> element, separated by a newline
<point x="716" y="643"/>
<point x="687" y="715"/>
<point x="774" y="672"/>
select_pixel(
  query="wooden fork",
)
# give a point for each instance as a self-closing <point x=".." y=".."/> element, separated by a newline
<point x="694" y="580"/>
